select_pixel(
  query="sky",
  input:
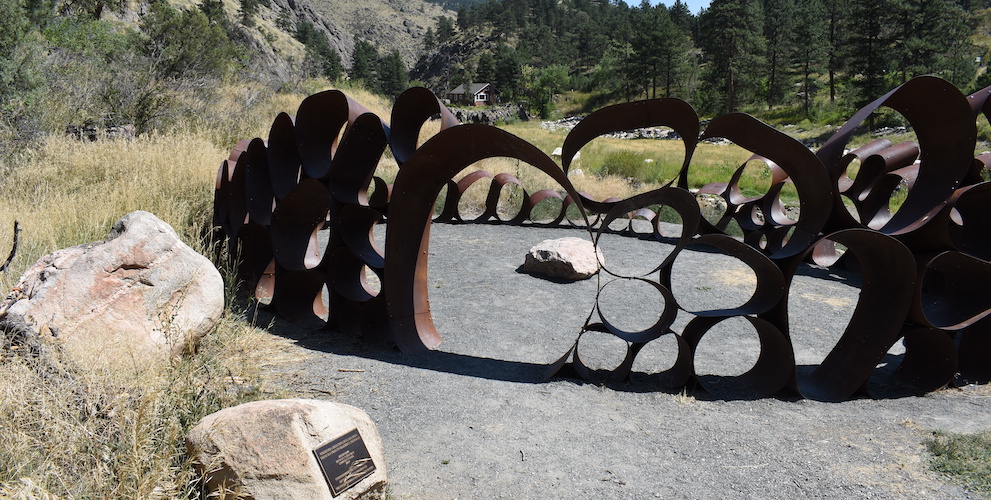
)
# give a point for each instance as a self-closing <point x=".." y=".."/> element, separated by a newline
<point x="693" y="5"/>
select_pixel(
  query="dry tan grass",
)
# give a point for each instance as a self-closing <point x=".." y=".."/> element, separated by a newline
<point x="66" y="192"/>
<point x="87" y="429"/>
<point x="116" y="430"/>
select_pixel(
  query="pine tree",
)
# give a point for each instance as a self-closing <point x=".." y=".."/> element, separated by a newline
<point x="682" y="17"/>
<point x="363" y="63"/>
<point x="933" y="38"/>
<point x="428" y="40"/>
<point x="838" y="16"/>
<point x="811" y="47"/>
<point x="321" y="59"/>
<point x="734" y="51"/>
<point x="778" y="25"/>
<point x="214" y="11"/>
<point x="485" y="72"/>
<point x="508" y="72"/>
<point x="393" y="78"/>
<point x="445" y="29"/>
<point x="870" y="45"/>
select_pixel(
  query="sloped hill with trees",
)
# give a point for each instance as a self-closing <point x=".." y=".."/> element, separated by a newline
<point x="737" y="54"/>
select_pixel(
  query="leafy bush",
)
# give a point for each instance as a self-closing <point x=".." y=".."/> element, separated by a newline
<point x="185" y="45"/>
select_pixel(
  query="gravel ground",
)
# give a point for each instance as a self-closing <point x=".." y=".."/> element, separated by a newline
<point x="473" y="419"/>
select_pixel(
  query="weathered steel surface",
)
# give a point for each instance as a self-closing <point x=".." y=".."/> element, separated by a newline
<point x="296" y="216"/>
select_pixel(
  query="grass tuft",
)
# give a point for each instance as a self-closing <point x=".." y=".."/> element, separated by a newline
<point x="964" y="457"/>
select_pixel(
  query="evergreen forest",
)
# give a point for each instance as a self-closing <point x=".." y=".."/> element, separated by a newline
<point x="816" y="57"/>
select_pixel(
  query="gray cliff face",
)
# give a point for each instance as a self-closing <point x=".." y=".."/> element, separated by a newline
<point x="391" y="25"/>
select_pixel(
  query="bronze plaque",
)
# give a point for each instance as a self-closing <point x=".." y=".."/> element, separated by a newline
<point x="345" y="461"/>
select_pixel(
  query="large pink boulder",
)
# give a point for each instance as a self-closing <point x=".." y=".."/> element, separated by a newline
<point x="141" y="288"/>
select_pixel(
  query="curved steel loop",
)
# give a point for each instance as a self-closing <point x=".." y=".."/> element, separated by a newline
<point x="619" y="373"/>
<point x="298" y="295"/>
<point x="412" y="109"/>
<point x="449" y="207"/>
<point x="952" y="292"/>
<point x="943" y="121"/>
<point x="885" y="298"/>
<point x="346" y="275"/>
<point x="773" y="208"/>
<point x="319" y="121"/>
<point x="979" y="170"/>
<point x="979" y="101"/>
<point x="417" y="185"/>
<point x="590" y="217"/>
<point x="733" y="194"/>
<point x="676" y="376"/>
<point x="258" y="183"/>
<point x="771" y="283"/>
<point x="499" y="182"/>
<point x="843" y="180"/>
<point x="930" y="359"/>
<point x="720" y="189"/>
<point x="805" y="170"/>
<point x="284" y="163"/>
<point x="644" y="214"/>
<point x="874" y="166"/>
<point x="463" y="184"/>
<point x="357" y="230"/>
<point x="678" y="199"/>
<point x="660" y="327"/>
<point x="221" y="199"/>
<point x="356" y="159"/>
<point x="669" y="112"/>
<point x="973" y="351"/>
<point x="295" y="223"/>
<point x="969" y="221"/>
<point x="238" y="149"/>
<point x="381" y="195"/>
<point x="237" y="199"/>
<point x="265" y="288"/>
<point x="252" y="250"/>
<point x="540" y="197"/>
<point x="876" y="208"/>
<point x="775" y="365"/>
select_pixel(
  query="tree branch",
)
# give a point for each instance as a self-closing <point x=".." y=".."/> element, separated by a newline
<point x="13" y="249"/>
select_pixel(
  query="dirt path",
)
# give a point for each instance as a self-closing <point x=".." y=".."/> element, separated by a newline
<point x="473" y="420"/>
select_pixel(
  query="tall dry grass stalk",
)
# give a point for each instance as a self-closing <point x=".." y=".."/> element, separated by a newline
<point x="66" y="192"/>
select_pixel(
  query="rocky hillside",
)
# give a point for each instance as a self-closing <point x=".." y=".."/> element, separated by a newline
<point x="389" y="24"/>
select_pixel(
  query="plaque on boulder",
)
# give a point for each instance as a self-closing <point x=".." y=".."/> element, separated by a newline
<point x="345" y="461"/>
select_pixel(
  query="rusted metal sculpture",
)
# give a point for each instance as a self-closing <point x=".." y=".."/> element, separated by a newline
<point x="925" y="266"/>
